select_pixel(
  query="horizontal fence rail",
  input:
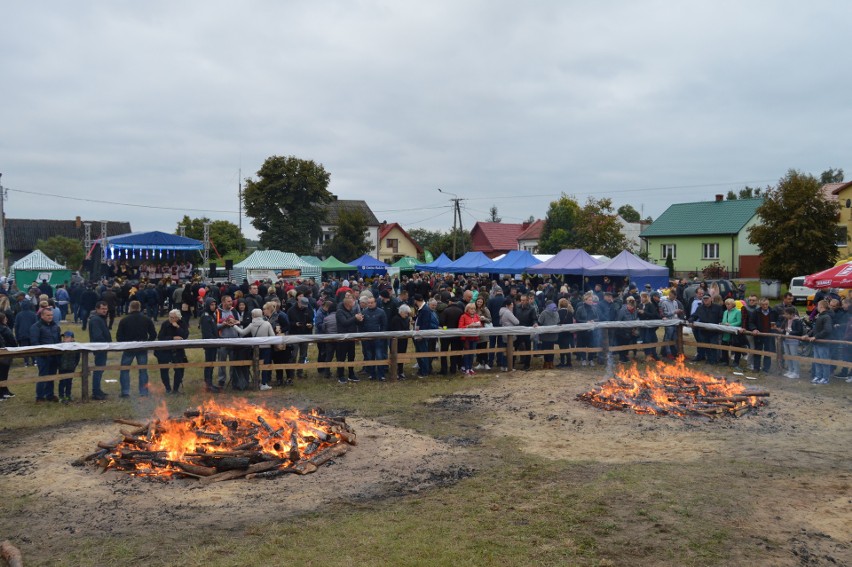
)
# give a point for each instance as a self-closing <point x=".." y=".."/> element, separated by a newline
<point x="394" y="356"/>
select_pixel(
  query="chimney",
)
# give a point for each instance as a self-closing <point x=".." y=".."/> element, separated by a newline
<point x="78" y="222"/>
<point x="720" y="198"/>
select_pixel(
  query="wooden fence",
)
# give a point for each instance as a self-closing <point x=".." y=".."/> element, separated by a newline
<point x="394" y="356"/>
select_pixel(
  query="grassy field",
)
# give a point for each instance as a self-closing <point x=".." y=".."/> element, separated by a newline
<point x="513" y="507"/>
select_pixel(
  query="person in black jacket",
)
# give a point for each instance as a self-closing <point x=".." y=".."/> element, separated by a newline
<point x="24" y="321"/>
<point x="709" y="312"/>
<point x="172" y="330"/>
<point x="7" y="339"/>
<point x="45" y="331"/>
<point x="527" y="317"/>
<point x="209" y="330"/>
<point x="301" y="318"/>
<point x="347" y="322"/>
<point x="135" y="327"/>
<point x="99" y="333"/>
<point x="648" y="311"/>
<point x="88" y="300"/>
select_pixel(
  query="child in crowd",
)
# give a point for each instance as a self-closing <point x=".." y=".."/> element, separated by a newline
<point x="67" y="364"/>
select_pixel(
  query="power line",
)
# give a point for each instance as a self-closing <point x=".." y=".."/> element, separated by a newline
<point x="101" y="201"/>
<point x="607" y="192"/>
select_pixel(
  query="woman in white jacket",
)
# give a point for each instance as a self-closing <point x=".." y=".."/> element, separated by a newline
<point x="260" y="327"/>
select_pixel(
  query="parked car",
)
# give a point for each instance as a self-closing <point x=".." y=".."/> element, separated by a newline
<point x="727" y="288"/>
<point x="799" y="291"/>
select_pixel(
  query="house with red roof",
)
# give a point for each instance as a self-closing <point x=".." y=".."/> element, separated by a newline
<point x="529" y="237"/>
<point x="395" y="243"/>
<point x="495" y="238"/>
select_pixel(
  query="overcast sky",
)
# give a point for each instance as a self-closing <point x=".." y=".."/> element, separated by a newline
<point x="145" y="111"/>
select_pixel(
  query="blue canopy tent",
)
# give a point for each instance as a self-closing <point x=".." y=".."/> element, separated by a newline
<point x="514" y="262"/>
<point x="470" y="263"/>
<point x="147" y="245"/>
<point x="634" y="269"/>
<point x="369" y="266"/>
<point x="569" y="262"/>
<point x="436" y="265"/>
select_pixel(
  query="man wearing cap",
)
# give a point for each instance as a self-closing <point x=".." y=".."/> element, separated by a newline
<point x="301" y="318"/>
<point x="45" y="331"/>
<point x="99" y="333"/>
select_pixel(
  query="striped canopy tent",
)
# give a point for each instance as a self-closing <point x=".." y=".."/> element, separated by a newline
<point x="272" y="264"/>
<point x="312" y="260"/>
<point x="332" y="265"/>
<point x="35" y="267"/>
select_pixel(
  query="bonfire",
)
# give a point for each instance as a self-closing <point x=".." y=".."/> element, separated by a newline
<point x="221" y="442"/>
<point x="673" y="389"/>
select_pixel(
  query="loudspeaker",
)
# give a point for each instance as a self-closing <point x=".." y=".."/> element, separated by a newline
<point x="213" y="267"/>
<point x="229" y="264"/>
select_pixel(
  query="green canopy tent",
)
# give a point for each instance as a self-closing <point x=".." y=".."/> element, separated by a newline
<point x="332" y="264"/>
<point x="406" y="264"/>
<point x="35" y="267"/>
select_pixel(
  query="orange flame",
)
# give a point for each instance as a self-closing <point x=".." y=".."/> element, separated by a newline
<point x="200" y="434"/>
<point x="670" y="389"/>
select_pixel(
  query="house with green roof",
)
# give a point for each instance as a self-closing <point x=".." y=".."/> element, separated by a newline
<point x="700" y="234"/>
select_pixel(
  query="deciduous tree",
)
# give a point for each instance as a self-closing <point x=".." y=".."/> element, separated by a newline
<point x="64" y="250"/>
<point x="225" y="235"/>
<point x="350" y="239"/>
<point x="798" y="228"/>
<point x="628" y="213"/>
<point x="594" y="227"/>
<point x="287" y="203"/>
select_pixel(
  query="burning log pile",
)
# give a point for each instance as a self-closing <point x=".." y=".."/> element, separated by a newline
<point x="674" y="389"/>
<point x="215" y="443"/>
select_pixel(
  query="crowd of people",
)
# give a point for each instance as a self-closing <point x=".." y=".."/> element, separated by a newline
<point x="382" y="304"/>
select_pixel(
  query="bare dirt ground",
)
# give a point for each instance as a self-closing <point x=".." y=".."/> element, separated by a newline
<point x="802" y="429"/>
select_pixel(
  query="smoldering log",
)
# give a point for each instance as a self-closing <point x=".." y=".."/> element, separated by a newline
<point x="79" y="462"/>
<point x="111" y="444"/>
<point x="272" y="474"/>
<point x="130" y="422"/>
<point x="229" y="463"/>
<point x="195" y="469"/>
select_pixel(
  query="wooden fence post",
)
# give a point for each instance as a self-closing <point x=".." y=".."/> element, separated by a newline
<point x="510" y="352"/>
<point x="779" y="353"/>
<point x="255" y="364"/>
<point x="84" y="376"/>
<point x="679" y="340"/>
<point x="392" y="359"/>
<point x="604" y="344"/>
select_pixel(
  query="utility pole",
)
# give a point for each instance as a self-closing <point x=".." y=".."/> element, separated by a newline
<point x="2" y="230"/>
<point x="240" y="204"/>
<point x="456" y="215"/>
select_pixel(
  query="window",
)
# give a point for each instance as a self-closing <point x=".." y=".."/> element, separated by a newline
<point x="841" y="237"/>
<point x="666" y="249"/>
<point x="710" y="251"/>
<point x="392" y="244"/>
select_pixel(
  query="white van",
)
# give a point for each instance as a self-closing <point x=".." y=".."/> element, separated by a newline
<point x="799" y="291"/>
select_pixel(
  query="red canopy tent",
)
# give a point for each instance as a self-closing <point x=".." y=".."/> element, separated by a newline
<point x="838" y="276"/>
